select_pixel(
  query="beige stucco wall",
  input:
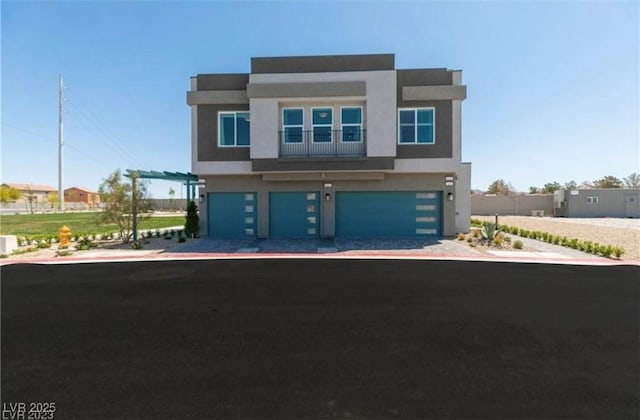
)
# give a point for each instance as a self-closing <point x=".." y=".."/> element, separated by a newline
<point x="517" y="205"/>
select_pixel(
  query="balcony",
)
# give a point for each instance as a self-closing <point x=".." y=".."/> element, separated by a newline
<point x="322" y="142"/>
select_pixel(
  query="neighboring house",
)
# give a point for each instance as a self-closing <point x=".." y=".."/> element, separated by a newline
<point x="605" y="202"/>
<point x="81" y="195"/>
<point x="330" y="146"/>
<point x="34" y="196"/>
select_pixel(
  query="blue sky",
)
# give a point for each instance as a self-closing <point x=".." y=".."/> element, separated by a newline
<point x="552" y="86"/>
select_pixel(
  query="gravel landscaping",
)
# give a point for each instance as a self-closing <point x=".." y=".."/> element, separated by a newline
<point x="608" y="231"/>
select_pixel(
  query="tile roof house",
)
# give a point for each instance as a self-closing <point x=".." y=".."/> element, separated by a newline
<point x="35" y="190"/>
<point x="81" y="195"/>
<point x="330" y="146"/>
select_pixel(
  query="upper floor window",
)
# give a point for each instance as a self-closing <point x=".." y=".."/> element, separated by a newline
<point x="416" y="126"/>
<point x="322" y="120"/>
<point x="351" y="119"/>
<point x="233" y="129"/>
<point x="292" y="125"/>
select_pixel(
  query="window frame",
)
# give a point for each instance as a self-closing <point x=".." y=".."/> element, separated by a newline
<point x="593" y="199"/>
<point x="285" y="126"/>
<point x="235" y="128"/>
<point x="416" y="124"/>
<point x="342" y="124"/>
<point x="313" y="125"/>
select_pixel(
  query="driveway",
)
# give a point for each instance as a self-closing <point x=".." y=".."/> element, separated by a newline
<point x="334" y="338"/>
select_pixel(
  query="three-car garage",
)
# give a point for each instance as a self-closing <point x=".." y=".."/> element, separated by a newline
<point x="299" y="214"/>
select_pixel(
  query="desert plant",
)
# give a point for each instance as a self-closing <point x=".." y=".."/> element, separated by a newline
<point x="517" y="244"/>
<point x="475" y="233"/>
<point x="507" y="239"/>
<point x="44" y="245"/>
<point x="137" y="244"/>
<point x="606" y="250"/>
<point x="470" y="239"/>
<point x="63" y="253"/>
<point x="618" y="251"/>
<point x="461" y="236"/>
<point x="489" y="231"/>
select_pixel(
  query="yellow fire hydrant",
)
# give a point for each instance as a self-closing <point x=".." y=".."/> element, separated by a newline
<point x="64" y="233"/>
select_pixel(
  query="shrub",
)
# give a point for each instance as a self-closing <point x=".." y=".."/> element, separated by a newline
<point x="499" y="239"/>
<point x="618" y="251"/>
<point x="63" y="253"/>
<point x="489" y="231"/>
<point x="44" y="245"/>
<point x="461" y="236"/>
<point x="470" y="239"/>
<point x="476" y="222"/>
<point x="182" y="239"/>
<point x="475" y="233"/>
<point x="517" y="244"/>
<point x="507" y="239"/>
<point x="606" y="250"/>
<point x="137" y="244"/>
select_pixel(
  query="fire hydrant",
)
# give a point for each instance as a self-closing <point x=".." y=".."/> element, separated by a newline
<point x="64" y="233"/>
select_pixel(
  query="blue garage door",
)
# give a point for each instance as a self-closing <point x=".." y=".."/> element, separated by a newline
<point x="294" y="214"/>
<point x="388" y="214"/>
<point x="232" y="215"/>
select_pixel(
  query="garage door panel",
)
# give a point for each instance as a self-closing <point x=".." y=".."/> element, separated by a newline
<point x="388" y="214"/>
<point x="294" y="214"/>
<point x="232" y="215"/>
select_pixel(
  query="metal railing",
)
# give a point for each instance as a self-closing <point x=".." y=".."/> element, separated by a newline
<point x="319" y="143"/>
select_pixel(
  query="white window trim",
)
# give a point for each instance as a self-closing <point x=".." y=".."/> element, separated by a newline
<point x="415" y="110"/>
<point x="284" y="126"/>
<point x="235" y="134"/>
<point x="313" y="126"/>
<point x="342" y="124"/>
<point x="593" y="199"/>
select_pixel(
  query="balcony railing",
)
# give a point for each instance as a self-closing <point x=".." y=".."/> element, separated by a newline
<point x="323" y="142"/>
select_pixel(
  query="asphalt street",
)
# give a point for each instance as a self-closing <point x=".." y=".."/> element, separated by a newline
<point x="305" y="338"/>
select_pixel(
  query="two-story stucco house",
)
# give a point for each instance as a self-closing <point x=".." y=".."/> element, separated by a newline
<point x="330" y="146"/>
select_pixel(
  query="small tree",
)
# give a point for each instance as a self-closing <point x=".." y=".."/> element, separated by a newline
<point x="30" y="198"/>
<point x="52" y="199"/>
<point x="172" y="201"/>
<point x="608" y="181"/>
<point x="499" y="186"/>
<point x="9" y="194"/>
<point x="551" y="187"/>
<point x="534" y="190"/>
<point x="192" y="223"/>
<point x="571" y="185"/>
<point x="632" y="181"/>
<point x="120" y="204"/>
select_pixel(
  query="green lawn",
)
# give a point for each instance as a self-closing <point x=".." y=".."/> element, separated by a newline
<point x="34" y="225"/>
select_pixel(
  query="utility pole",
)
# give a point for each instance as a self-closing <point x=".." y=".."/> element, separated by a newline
<point x="60" y="144"/>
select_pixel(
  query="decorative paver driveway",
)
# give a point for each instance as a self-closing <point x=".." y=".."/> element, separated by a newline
<point x="421" y="246"/>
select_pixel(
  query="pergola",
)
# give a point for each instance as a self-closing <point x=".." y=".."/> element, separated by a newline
<point x="189" y="179"/>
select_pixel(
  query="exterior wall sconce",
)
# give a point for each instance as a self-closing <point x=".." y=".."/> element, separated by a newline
<point x="201" y="199"/>
<point x="327" y="197"/>
<point x="450" y="196"/>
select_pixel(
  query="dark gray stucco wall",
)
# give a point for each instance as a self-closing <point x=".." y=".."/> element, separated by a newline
<point x="443" y="147"/>
<point x="319" y="64"/>
<point x="223" y="81"/>
<point x="208" y="149"/>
